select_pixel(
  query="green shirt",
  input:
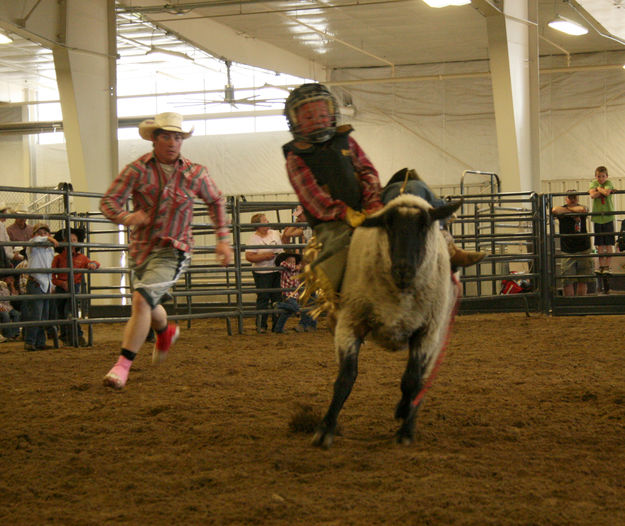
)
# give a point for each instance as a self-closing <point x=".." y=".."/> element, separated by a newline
<point x="603" y="203"/>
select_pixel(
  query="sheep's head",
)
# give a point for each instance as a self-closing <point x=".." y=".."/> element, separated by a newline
<point x="407" y="220"/>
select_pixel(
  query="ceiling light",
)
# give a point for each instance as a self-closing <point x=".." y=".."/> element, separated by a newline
<point x="446" y="3"/>
<point x="154" y="50"/>
<point x="567" y="26"/>
<point x="5" y="39"/>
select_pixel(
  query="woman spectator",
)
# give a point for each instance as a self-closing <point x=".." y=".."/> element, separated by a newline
<point x="265" y="275"/>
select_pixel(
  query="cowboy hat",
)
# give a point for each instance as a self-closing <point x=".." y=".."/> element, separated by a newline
<point x="282" y="256"/>
<point x="3" y="207"/>
<point x="168" y="121"/>
<point x="59" y="235"/>
<point x="80" y="234"/>
<point x="39" y="226"/>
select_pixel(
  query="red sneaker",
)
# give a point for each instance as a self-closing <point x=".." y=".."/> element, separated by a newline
<point x="164" y="341"/>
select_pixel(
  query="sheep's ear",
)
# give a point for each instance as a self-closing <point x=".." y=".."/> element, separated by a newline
<point x="375" y="221"/>
<point x="445" y="211"/>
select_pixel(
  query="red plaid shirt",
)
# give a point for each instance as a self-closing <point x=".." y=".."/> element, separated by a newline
<point x="288" y="279"/>
<point x="167" y="201"/>
<point x="320" y="203"/>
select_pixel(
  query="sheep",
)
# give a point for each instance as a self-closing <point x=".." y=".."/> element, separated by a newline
<point x="397" y="289"/>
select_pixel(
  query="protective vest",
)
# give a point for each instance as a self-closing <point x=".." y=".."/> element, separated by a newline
<point x="331" y="164"/>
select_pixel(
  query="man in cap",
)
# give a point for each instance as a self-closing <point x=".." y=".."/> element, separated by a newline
<point x="163" y="185"/>
<point x="39" y="256"/>
<point x="19" y="230"/>
<point x="574" y="242"/>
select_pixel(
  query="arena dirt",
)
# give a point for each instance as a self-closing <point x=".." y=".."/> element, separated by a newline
<point x="524" y="425"/>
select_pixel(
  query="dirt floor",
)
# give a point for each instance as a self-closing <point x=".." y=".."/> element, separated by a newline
<point x="525" y="424"/>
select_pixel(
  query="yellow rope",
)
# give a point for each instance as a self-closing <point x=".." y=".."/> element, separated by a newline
<point x="315" y="284"/>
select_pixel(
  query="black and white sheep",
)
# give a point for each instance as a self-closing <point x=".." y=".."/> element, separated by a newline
<point x="398" y="290"/>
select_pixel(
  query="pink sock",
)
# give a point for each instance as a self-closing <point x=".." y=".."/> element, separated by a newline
<point x="124" y="363"/>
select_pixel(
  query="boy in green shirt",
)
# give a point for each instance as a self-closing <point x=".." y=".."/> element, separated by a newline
<point x="600" y="192"/>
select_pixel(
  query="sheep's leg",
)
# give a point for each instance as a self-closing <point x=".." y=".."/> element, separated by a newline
<point x="411" y="383"/>
<point x="348" y="371"/>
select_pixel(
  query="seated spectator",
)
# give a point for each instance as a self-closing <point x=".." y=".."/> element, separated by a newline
<point x="8" y="315"/>
<point x="60" y="280"/>
<point x="290" y="267"/>
<point x="39" y="283"/>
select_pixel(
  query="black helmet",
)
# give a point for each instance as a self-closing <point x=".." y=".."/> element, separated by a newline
<point x="311" y="93"/>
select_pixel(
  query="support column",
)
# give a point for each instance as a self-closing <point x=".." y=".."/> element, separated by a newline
<point x="513" y="52"/>
<point x="82" y="36"/>
<point x="85" y="63"/>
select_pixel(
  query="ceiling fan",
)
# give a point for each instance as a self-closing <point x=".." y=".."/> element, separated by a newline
<point x="229" y="96"/>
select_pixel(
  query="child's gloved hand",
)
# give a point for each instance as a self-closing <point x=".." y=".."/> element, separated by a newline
<point x="354" y="218"/>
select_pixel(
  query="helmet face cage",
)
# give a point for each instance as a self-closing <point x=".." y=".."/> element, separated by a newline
<point x="311" y="93"/>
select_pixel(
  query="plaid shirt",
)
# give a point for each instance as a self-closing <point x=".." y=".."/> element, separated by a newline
<point x="168" y="202"/>
<point x="318" y="201"/>
<point x="5" y="305"/>
<point x="288" y="279"/>
<point x="23" y="278"/>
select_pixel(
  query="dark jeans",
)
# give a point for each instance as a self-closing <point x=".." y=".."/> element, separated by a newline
<point x="8" y="317"/>
<point x="269" y="280"/>
<point x="287" y="308"/>
<point x="35" y="310"/>
<point x="61" y="310"/>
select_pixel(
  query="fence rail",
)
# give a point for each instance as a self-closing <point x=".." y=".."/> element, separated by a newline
<point x="517" y="230"/>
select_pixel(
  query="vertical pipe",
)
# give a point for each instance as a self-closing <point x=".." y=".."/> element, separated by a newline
<point x="234" y="203"/>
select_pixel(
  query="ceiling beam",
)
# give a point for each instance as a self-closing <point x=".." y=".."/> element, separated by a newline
<point x="225" y="43"/>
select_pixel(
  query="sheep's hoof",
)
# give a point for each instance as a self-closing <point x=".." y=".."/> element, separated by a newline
<point x="323" y="439"/>
<point x="404" y="439"/>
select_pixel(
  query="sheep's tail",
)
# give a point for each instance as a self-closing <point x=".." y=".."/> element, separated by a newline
<point x="315" y="285"/>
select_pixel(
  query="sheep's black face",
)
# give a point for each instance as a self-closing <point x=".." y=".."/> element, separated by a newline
<point x="407" y="225"/>
<point x="407" y="229"/>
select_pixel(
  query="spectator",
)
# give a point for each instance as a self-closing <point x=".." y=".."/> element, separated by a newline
<point x="7" y="315"/>
<point x="11" y="254"/>
<point x="572" y="219"/>
<point x="39" y="257"/>
<point x="297" y="234"/>
<point x="265" y="276"/>
<point x="63" y="306"/>
<point x="601" y="194"/>
<point x="19" y="230"/>
<point x="7" y="251"/>
<point x="163" y="185"/>
<point x="290" y="268"/>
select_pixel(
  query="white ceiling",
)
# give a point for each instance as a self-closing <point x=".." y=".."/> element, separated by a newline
<point x="368" y="33"/>
<point x="333" y="34"/>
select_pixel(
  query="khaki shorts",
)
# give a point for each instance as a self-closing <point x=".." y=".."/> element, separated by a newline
<point x="158" y="273"/>
<point x="572" y="267"/>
